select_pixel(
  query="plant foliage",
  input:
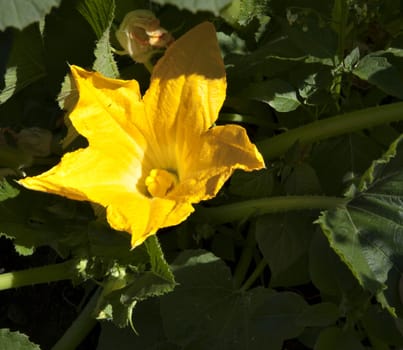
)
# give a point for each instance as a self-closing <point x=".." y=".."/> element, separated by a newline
<point x="318" y="86"/>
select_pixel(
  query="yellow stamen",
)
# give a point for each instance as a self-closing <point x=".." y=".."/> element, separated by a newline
<point x="159" y="182"/>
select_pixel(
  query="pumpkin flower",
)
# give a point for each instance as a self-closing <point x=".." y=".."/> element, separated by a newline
<point x="150" y="158"/>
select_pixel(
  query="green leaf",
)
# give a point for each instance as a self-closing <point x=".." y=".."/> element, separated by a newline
<point x="335" y="339"/>
<point x="67" y="40"/>
<point x="159" y="266"/>
<point x="351" y="155"/>
<point x="205" y="311"/>
<point x="15" y="341"/>
<point x="243" y="12"/>
<point x="104" y="61"/>
<point x="7" y="191"/>
<point x="100" y="15"/>
<point x="302" y="180"/>
<point x="149" y="331"/>
<point x="320" y="315"/>
<point x="310" y="33"/>
<point x="329" y="274"/>
<point x="380" y="324"/>
<point x="26" y="62"/>
<point x="277" y="93"/>
<point x="367" y="232"/>
<point x="214" y="6"/>
<point x="34" y="219"/>
<point x="256" y="184"/>
<point x="379" y="71"/>
<point x="133" y="283"/>
<point x="21" y="13"/>
<point x="97" y="13"/>
<point x="284" y="241"/>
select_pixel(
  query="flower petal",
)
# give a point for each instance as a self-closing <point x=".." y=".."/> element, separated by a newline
<point x="186" y="93"/>
<point x="215" y="156"/>
<point x="142" y="216"/>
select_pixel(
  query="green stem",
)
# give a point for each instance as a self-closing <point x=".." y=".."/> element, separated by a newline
<point x="340" y="18"/>
<point x="80" y="328"/>
<point x="331" y="127"/>
<point x="254" y="276"/>
<point x="241" y="210"/>
<point x="245" y="258"/>
<point x="36" y="275"/>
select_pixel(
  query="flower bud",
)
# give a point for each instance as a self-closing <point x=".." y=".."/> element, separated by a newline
<point x="140" y="34"/>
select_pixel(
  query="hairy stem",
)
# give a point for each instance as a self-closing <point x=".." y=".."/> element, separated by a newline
<point x="254" y="276"/>
<point x="80" y="328"/>
<point x="331" y="127"/>
<point x="36" y="275"/>
<point x="245" y="258"/>
<point x="241" y="210"/>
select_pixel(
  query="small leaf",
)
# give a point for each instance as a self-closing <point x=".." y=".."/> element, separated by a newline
<point x="21" y="13"/>
<point x="277" y="93"/>
<point x="100" y="15"/>
<point x="214" y="6"/>
<point x="245" y="11"/>
<point x="320" y="315"/>
<point x="379" y="71"/>
<point x="7" y="191"/>
<point x="302" y="180"/>
<point x="134" y="284"/>
<point x="26" y="62"/>
<point x="256" y="184"/>
<point x="284" y="240"/>
<point x="104" y="61"/>
<point x="149" y="332"/>
<point x="15" y="341"/>
<point x="159" y="266"/>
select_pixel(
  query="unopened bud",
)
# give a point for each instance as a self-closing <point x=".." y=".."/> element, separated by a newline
<point x="35" y="141"/>
<point x="140" y="34"/>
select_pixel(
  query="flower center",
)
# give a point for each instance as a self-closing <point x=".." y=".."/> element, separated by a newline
<point x="160" y="181"/>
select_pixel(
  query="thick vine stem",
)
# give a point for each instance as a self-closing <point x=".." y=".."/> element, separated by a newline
<point x="81" y="326"/>
<point x="342" y="124"/>
<point x="36" y="275"/>
<point x="241" y="210"/>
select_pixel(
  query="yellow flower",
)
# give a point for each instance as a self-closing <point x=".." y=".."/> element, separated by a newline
<point x="150" y="158"/>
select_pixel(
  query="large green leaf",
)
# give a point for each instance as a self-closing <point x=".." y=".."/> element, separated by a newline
<point x="214" y="6"/>
<point x="21" y="13"/>
<point x="35" y="219"/>
<point x="351" y="155"/>
<point x="15" y="341"/>
<point x="206" y="312"/>
<point x="381" y="325"/>
<point x="368" y="232"/>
